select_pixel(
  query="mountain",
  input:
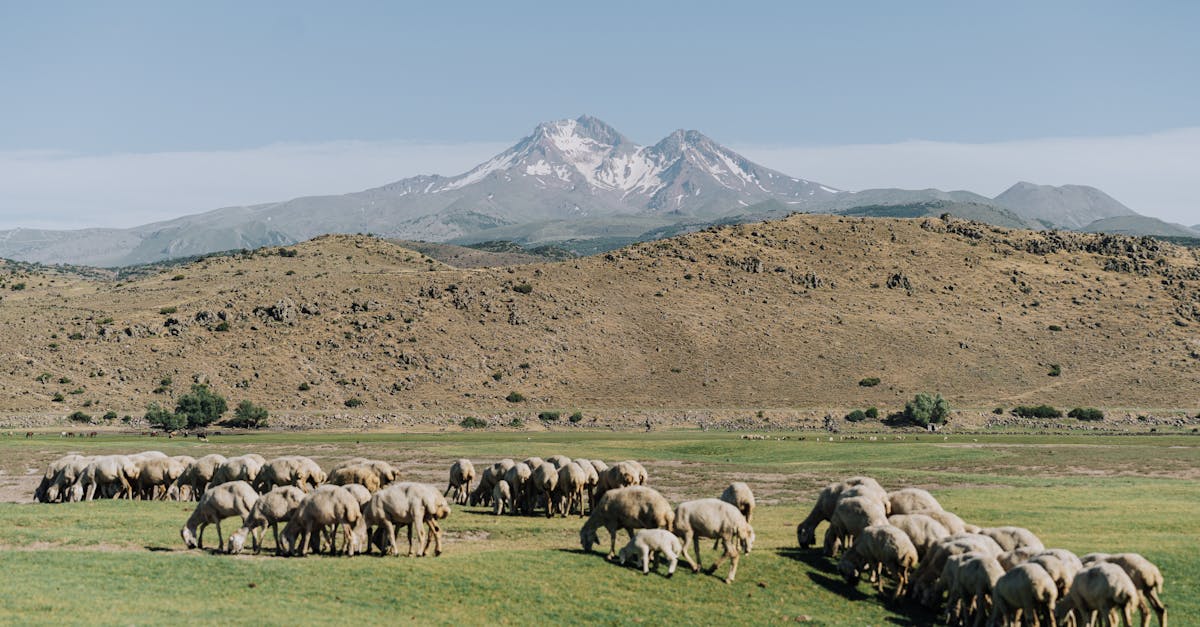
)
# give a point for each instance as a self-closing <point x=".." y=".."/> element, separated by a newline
<point x="784" y="316"/>
<point x="1140" y="225"/>
<point x="1065" y="206"/>
<point x="565" y="170"/>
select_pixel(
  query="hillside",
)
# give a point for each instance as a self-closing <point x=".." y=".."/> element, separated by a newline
<point x="1063" y="206"/>
<point x="1140" y="225"/>
<point x="785" y="314"/>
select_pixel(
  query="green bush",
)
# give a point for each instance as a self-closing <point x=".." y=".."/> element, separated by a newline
<point x="1086" y="413"/>
<point x="1036" y="411"/>
<point x="166" y="311"/>
<point x="42" y="378"/>
<point x="110" y="415"/>
<point x="58" y="397"/>
<point x="1055" y="328"/>
<point x="248" y="416"/>
<point x="287" y="252"/>
<point x="471" y="422"/>
<point x="924" y="409"/>
<point x="16" y="287"/>
<point x="873" y="413"/>
<point x="200" y="407"/>
<point x="75" y="336"/>
<point x="516" y="423"/>
<point x="998" y="411"/>
<point x="514" y="397"/>
<point x="549" y="416"/>
<point x="304" y="387"/>
<point x="64" y="380"/>
<point x="857" y="415"/>
<point x="576" y="417"/>
<point x="1055" y="370"/>
<point x="869" y="382"/>
<point x="523" y="288"/>
<point x="177" y="277"/>
<point x="160" y="418"/>
<point x="78" y="416"/>
<point x="221" y="327"/>
<point x="352" y="402"/>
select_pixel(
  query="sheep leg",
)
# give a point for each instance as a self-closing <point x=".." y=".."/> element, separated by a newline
<point x="220" y="537"/>
<point x="200" y="536"/>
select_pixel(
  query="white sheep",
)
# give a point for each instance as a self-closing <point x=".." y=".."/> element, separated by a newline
<point x="1010" y="538"/>
<point x="923" y="530"/>
<point x="911" y="501"/>
<point x="1098" y="590"/>
<point x="270" y="509"/>
<point x="558" y="461"/>
<point x="462" y="473"/>
<point x="235" y="498"/>
<point x="1026" y="590"/>
<point x="294" y="470"/>
<point x="739" y="495"/>
<point x="196" y="477"/>
<point x="240" y="468"/>
<point x="545" y="481"/>
<point x="1146" y="577"/>
<point x="648" y="545"/>
<point x="634" y="507"/>
<point x="572" y="480"/>
<point x="716" y="519"/>
<point x="1060" y="568"/>
<point x="969" y="579"/>
<point x="827" y="500"/>
<point x="850" y="517"/>
<point x="949" y="520"/>
<point x="410" y="505"/>
<point x="926" y="582"/>
<point x="879" y="549"/>
<point x="519" y="486"/>
<point x="328" y="507"/>
<point x="501" y="498"/>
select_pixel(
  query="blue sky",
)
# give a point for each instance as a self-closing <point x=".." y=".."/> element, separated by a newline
<point x="121" y="79"/>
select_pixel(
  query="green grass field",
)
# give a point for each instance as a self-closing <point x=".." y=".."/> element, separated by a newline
<point x="123" y="562"/>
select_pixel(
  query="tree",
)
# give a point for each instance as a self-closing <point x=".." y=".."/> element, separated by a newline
<point x="160" y="418"/>
<point x="201" y="407"/>
<point x="248" y="416"/>
<point x="924" y="409"/>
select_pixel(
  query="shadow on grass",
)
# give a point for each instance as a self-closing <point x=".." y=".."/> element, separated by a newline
<point x="160" y="549"/>
<point x="813" y="558"/>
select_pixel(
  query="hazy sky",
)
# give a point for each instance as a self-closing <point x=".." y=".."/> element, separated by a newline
<point x="118" y="113"/>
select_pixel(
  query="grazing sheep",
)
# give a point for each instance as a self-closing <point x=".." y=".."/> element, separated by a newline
<point x="361" y="474"/>
<point x="713" y="518"/>
<point x="649" y="544"/>
<point x="197" y="476"/>
<point x="850" y="517"/>
<point x="949" y="520"/>
<point x="545" y="481"/>
<point x="738" y="494"/>
<point x="482" y="493"/>
<point x="436" y="508"/>
<point x="293" y="470"/>
<point x="155" y="474"/>
<point x="1062" y="571"/>
<point x="60" y="478"/>
<point x="827" y="499"/>
<point x="235" y="498"/>
<point x="643" y="477"/>
<point x="558" y="461"/>
<point x="1025" y="590"/>
<point x="599" y="465"/>
<point x="869" y="491"/>
<point x="533" y="462"/>
<point x="1010" y="538"/>
<point x="359" y="492"/>
<point x="925" y="579"/>
<point x="327" y="507"/>
<point x="384" y="472"/>
<point x="52" y="470"/>
<point x="880" y="548"/>
<point x="501" y="498"/>
<point x="409" y="505"/>
<point x="272" y="508"/>
<point x="1009" y="559"/>
<point x="572" y="480"/>
<point x="1146" y="578"/>
<point x="593" y="477"/>
<point x="462" y="473"/>
<point x="911" y="501"/>
<point x="241" y="468"/>
<point x="630" y="508"/>
<point x="923" y="530"/>
<point x="107" y="476"/>
<point x="518" y="477"/>
<point x="1098" y="590"/>
<point x="969" y="584"/>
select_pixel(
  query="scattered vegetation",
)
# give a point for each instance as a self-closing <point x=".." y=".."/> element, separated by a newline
<point x="110" y="415"/>
<point x="471" y="422"/>
<point x="1036" y="411"/>
<point x="549" y="416"/>
<point x="516" y="423"/>
<point x="200" y="407"/>
<point x="523" y="288"/>
<point x="515" y="397"/>
<point x="857" y="415"/>
<point x="75" y="336"/>
<point x="576" y="417"/>
<point x="869" y="382"/>
<point x="287" y="252"/>
<point x="304" y="387"/>
<point x="1086" y="413"/>
<point x="166" y="311"/>
<point x="353" y="402"/>
<point x="1055" y="328"/>
<point x="248" y="416"/>
<point x="221" y="327"/>
<point x="177" y="277"/>
<point x="160" y="418"/>
<point x="42" y="378"/>
<point x="78" y="416"/>
<point x="1055" y="370"/>
<point x="924" y="410"/>
<point x="58" y="397"/>
<point x="16" y="287"/>
<point x="872" y="413"/>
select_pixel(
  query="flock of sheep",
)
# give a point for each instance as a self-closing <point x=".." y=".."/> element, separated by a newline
<point x="1004" y="575"/>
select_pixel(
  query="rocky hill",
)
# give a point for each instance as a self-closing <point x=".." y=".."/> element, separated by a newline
<point x="786" y="314"/>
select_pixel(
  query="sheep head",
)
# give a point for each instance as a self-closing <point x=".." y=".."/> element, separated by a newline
<point x="588" y="538"/>
<point x="806" y="535"/>
<point x="189" y="537"/>
<point x="747" y="537"/>
<point x="850" y="566"/>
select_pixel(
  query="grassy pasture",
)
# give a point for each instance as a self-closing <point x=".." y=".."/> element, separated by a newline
<point x="123" y="562"/>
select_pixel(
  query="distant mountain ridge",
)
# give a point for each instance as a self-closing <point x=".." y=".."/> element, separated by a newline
<point x="575" y="180"/>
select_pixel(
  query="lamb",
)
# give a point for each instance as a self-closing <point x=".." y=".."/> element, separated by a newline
<point x="923" y="530"/>
<point x="572" y="479"/>
<point x="713" y="518"/>
<point x="328" y="506"/>
<point x="501" y="498"/>
<point x="545" y="481"/>
<point x="1010" y="538"/>
<point x="969" y="579"/>
<point x="880" y="548"/>
<point x="274" y="507"/>
<point x="738" y="494"/>
<point x="235" y="498"/>
<point x="293" y="470"/>
<point x="912" y="500"/>
<point x="1025" y="590"/>
<point x="462" y="473"/>
<point x="630" y="508"/>
<point x="517" y="478"/>
<point x="197" y="476"/>
<point x="850" y="517"/>
<point x="827" y="500"/>
<point x="1146" y="578"/>
<point x="648" y="544"/>
<point x="1098" y="590"/>
<point x="241" y="468"/>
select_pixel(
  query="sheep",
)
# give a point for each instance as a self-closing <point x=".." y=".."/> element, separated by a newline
<point x="436" y="508"/>
<point x="61" y="477"/>
<point x="156" y="473"/>
<point x="558" y="461"/>
<point x="822" y="510"/>
<point x="107" y="476"/>
<point x="359" y="492"/>
<point x="501" y="498"/>
<point x="533" y="462"/>
<point x="870" y="491"/>
<point x="1009" y="559"/>
<point x="949" y="520"/>
<point x="911" y="501"/>
<point x="197" y="476"/>
<point x="241" y="468"/>
<point x="880" y="548"/>
<point x="293" y="470"/>
<point x="406" y="504"/>
<point x="969" y="579"/>
<point x="235" y="498"/>
<point x="599" y="465"/>
<point x="1098" y="590"/>
<point x="1061" y="570"/>
<point x="384" y="472"/>
<point x="1146" y="578"/>
<point x="462" y="473"/>
<point x="643" y="477"/>
<point x="739" y="495"/>
<point x="713" y="518"/>
<point x="1010" y="538"/>
<point x="593" y="477"/>
<point x="923" y="530"/>
<point x="133" y="471"/>
<point x="572" y="479"/>
<point x="40" y="494"/>
<point x="925" y="579"/>
<point x="545" y="481"/>
<point x="619" y="475"/>
<point x="648" y="544"/>
<point x="361" y="474"/>
<point x="482" y="493"/>
<point x="519" y="486"/>
<point x="634" y="507"/>
<point x="850" y="517"/>
<point x="1025" y="590"/>
<point x="274" y="507"/>
<point x="328" y="506"/>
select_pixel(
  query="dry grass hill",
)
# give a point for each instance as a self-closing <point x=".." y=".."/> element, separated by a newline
<point x="785" y="314"/>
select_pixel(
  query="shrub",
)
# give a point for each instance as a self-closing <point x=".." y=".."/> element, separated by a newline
<point x="857" y="415"/>
<point x="248" y="416"/>
<point x="78" y="416"/>
<point x="524" y="365"/>
<point x="42" y="378"/>
<point x="576" y="417"/>
<point x="166" y="311"/>
<point x="497" y="375"/>
<point x="1036" y="411"/>
<point x="75" y="336"/>
<point x="289" y="273"/>
<point x="304" y="387"/>
<point x="1055" y="327"/>
<point x="514" y="397"/>
<point x="872" y="413"/>
<point x="165" y="381"/>
<point x="16" y="287"/>
<point x="76" y="392"/>
<point x="200" y="407"/>
<point x="998" y="411"/>
<point x="523" y="288"/>
<point x="549" y="416"/>
<point x="516" y="423"/>
<point x="1055" y="370"/>
<point x="177" y="277"/>
<point x="64" y="380"/>
<point x="110" y="415"/>
<point x="471" y="422"/>
<point x="160" y="418"/>
<point x="1086" y="413"/>
<point x="869" y="382"/>
<point x="126" y="419"/>
<point x="924" y="409"/>
<point x="353" y="402"/>
<point x="287" y="252"/>
<point x="221" y="327"/>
